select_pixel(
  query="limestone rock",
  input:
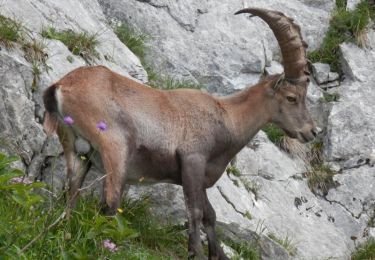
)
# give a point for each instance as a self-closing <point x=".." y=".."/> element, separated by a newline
<point x="321" y="72"/>
<point x="204" y="41"/>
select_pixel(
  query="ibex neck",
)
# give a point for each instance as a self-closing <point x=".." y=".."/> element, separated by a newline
<point x="247" y="111"/>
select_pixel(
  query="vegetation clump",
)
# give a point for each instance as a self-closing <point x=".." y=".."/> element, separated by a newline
<point x="79" y="43"/>
<point x="274" y="133"/>
<point x="365" y="251"/>
<point x="10" y="31"/>
<point x="320" y="179"/>
<point x="286" y="243"/>
<point x="36" y="227"/>
<point x="345" y="26"/>
<point x="136" y="42"/>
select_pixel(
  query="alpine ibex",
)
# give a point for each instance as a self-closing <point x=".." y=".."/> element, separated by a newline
<point x="183" y="136"/>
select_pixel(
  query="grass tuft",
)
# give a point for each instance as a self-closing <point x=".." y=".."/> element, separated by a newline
<point x="345" y="26"/>
<point x="320" y="179"/>
<point x="365" y="251"/>
<point x="79" y="43"/>
<point x="244" y="250"/>
<point x="134" y="40"/>
<point x="286" y="242"/>
<point x="10" y="31"/>
<point x="274" y="133"/>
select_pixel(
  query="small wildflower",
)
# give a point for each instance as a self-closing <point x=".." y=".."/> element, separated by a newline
<point x="120" y="210"/>
<point x="68" y="120"/>
<point x="141" y="179"/>
<point x="83" y="158"/>
<point x="108" y="244"/>
<point x="101" y="125"/>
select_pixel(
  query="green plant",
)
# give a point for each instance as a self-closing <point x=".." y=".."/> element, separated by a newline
<point x="233" y="170"/>
<point x="79" y="43"/>
<point x="32" y="225"/>
<point x="366" y="251"/>
<point x="344" y="26"/>
<point x="274" y="133"/>
<point x="134" y="40"/>
<point x="328" y="97"/>
<point x="251" y="186"/>
<point x="248" y="215"/>
<point x="10" y="31"/>
<point x="286" y="242"/>
<point x="320" y="178"/>
<point x="244" y="250"/>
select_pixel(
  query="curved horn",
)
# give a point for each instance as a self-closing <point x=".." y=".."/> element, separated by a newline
<point x="293" y="47"/>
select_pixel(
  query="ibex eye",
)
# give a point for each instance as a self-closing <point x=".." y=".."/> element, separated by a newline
<point x="291" y="99"/>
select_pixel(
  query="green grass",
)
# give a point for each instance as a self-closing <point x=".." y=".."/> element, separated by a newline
<point x="345" y="26"/>
<point x="31" y="226"/>
<point x="10" y="31"/>
<point x="137" y="42"/>
<point x="365" y="251"/>
<point x="244" y="250"/>
<point x="233" y="170"/>
<point x="320" y="178"/>
<point x="286" y="243"/>
<point x="79" y="43"/>
<point x="328" y="97"/>
<point x="134" y="40"/>
<point x="274" y="133"/>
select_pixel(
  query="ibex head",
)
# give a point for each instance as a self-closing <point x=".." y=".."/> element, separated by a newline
<point x="288" y="95"/>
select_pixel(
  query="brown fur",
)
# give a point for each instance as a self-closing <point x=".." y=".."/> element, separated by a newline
<point x="186" y="137"/>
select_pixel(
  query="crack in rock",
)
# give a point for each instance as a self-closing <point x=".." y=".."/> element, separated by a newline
<point x="187" y="27"/>
<point x="230" y="202"/>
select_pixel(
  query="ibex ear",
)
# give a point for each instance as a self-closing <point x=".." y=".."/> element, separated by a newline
<point x="278" y="82"/>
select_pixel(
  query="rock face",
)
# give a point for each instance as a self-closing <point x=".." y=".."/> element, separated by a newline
<point x="205" y="42"/>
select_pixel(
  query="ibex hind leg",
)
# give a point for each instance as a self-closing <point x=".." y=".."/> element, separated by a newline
<point x="115" y="158"/>
<point x="76" y="167"/>
<point x="215" y="252"/>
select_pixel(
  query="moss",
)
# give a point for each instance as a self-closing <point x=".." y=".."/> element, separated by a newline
<point x="345" y="26"/>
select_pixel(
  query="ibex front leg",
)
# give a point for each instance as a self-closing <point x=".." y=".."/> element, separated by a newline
<point x="115" y="157"/>
<point x="192" y="182"/>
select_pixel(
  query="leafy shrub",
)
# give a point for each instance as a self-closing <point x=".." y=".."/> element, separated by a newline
<point x="79" y="43"/>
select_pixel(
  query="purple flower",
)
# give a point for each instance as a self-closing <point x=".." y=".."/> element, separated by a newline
<point x="68" y="120"/>
<point x="101" y="125"/>
<point x="108" y="244"/>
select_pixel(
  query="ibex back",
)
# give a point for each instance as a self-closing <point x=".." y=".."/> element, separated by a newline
<point x="184" y="136"/>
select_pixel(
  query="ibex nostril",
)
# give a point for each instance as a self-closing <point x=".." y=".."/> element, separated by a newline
<point x="314" y="132"/>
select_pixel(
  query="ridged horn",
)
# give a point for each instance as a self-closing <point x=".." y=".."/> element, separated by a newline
<point x="293" y="47"/>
